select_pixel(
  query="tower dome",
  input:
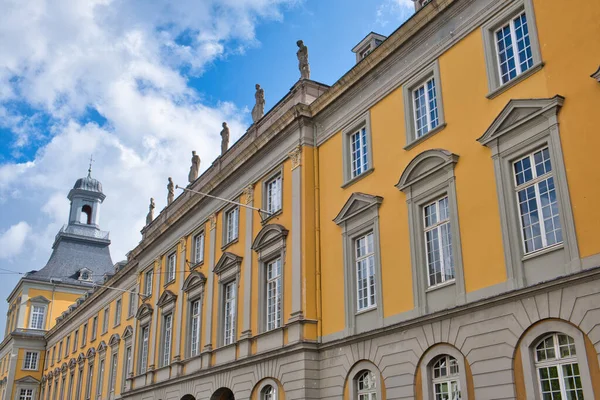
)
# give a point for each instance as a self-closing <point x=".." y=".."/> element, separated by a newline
<point x="88" y="183"/>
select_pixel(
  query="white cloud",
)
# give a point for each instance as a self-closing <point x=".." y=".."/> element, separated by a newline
<point x="13" y="239"/>
<point x="395" y="11"/>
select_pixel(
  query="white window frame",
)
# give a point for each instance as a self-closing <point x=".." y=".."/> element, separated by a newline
<point x="195" y="327"/>
<point x="105" y="319"/>
<point x="88" y="389"/>
<point x="171" y="266"/>
<point x="535" y="182"/>
<point x="113" y="372"/>
<point x="231" y="224"/>
<point x="75" y="341"/>
<point x="365" y="263"/>
<point x="438" y="226"/>
<point x="26" y="394"/>
<point x="144" y="337"/>
<point x="128" y="366"/>
<point x="84" y="334"/>
<point x="500" y="19"/>
<point x="31" y="364"/>
<point x="429" y="96"/>
<point x="449" y="378"/>
<point x="557" y="362"/>
<point x="67" y="346"/>
<point x="429" y="73"/>
<point x="100" y="381"/>
<point x="357" y="126"/>
<point x="229" y="312"/>
<point x="118" y="310"/>
<point x="38" y="317"/>
<point x="59" y="354"/>
<point x="359" y="156"/>
<point x="268" y="393"/>
<point x="167" y="339"/>
<point x="132" y="302"/>
<point x="94" y="328"/>
<point x="273" y="301"/>
<point x="274" y="194"/>
<point x="510" y="24"/>
<point x="148" y="279"/>
<point x="199" y="240"/>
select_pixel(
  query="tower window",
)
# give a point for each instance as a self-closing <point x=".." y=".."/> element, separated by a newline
<point x="86" y="215"/>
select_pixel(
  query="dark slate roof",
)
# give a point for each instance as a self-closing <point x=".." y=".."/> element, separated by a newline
<point x="70" y="255"/>
<point x="88" y="183"/>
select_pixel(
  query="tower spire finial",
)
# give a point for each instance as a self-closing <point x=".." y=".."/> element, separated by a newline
<point x="90" y="168"/>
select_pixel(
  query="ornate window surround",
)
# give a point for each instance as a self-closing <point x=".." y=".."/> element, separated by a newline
<point x="227" y="270"/>
<point x="359" y="367"/>
<point x="523" y="126"/>
<point x="530" y="339"/>
<point x="426" y="369"/>
<point x="193" y="287"/>
<point x="430" y="176"/>
<point x="359" y="216"/>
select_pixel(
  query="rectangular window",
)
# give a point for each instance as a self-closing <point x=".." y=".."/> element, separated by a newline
<point x="113" y="372"/>
<point x="105" y="319"/>
<point x="365" y="271"/>
<point x="359" y="152"/>
<point x="144" y="349"/>
<point x="38" y="314"/>
<point x="171" y="263"/>
<point x="537" y="202"/>
<point x="100" y="382"/>
<point x="53" y="355"/>
<point x="425" y="108"/>
<point x="127" y="367"/>
<point x="273" y="194"/>
<point x="438" y="242"/>
<point x="75" y="341"/>
<point x="195" y="328"/>
<point x="167" y="336"/>
<point x="273" y="294"/>
<point x="59" y="355"/>
<point x="79" y="384"/>
<point x="148" y="283"/>
<point x="131" y="308"/>
<point x="88" y="389"/>
<point x="67" y="346"/>
<point x="199" y="248"/>
<point x="70" y="389"/>
<point x="31" y="360"/>
<point x="62" y="387"/>
<point x="229" y="309"/>
<point x="118" y="312"/>
<point x="84" y="334"/>
<point x="513" y="48"/>
<point x="26" y="394"/>
<point x="231" y="224"/>
<point x="94" y="327"/>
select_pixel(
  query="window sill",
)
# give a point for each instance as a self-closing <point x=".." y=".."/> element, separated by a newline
<point x="117" y="325"/>
<point x="172" y="281"/>
<point x="196" y="265"/>
<point x="366" y="310"/>
<point x="270" y="217"/>
<point x="426" y="136"/>
<point x="358" y="178"/>
<point x="501" y="89"/>
<point x="440" y="286"/>
<point x="545" y="250"/>
<point x="234" y="241"/>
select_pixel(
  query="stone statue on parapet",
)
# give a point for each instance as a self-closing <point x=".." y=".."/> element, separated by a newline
<point x="224" y="138"/>
<point x="171" y="191"/>
<point x="195" y="168"/>
<point x="303" y="60"/>
<point x="150" y="215"/>
<point x="259" y="108"/>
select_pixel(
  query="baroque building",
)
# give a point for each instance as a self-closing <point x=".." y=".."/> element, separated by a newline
<point x="427" y="231"/>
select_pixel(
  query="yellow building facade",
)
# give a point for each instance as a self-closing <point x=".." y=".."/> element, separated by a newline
<point x="426" y="230"/>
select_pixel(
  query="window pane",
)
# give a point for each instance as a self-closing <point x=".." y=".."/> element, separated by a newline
<point x="523" y="42"/>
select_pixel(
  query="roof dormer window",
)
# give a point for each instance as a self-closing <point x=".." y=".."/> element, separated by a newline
<point x="85" y="275"/>
<point x="367" y="45"/>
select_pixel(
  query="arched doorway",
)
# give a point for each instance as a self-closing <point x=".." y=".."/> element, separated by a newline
<point x="188" y="397"/>
<point x="223" y="394"/>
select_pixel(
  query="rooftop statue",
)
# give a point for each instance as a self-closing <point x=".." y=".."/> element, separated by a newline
<point x="303" y="60"/>
<point x="150" y="215"/>
<point x="259" y="108"/>
<point x="195" y="168"/>
<point x="171" y="191"/>
<point x="224" y="138"/>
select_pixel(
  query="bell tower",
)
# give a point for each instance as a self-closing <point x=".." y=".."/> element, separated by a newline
<point x="86" y="197"/>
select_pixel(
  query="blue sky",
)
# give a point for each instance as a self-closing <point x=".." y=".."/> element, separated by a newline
<point x="140" y="84"/>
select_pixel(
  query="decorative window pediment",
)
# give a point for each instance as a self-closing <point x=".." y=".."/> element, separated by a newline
<point x="425" y="164"/>
<point x="114" y="340"/>
<point x="72" y="363"/>
<point x="596" y="75"/>
<point x="101" y="347"/>
<point x="166" y="299"/>
<point x="128" y="332"/>
<point x="28" y="380"/>
<point x="81" y="358"/>
<point x="91" y="353"/>
<point x="193" y="281"/>
<point x="144" y="311"/>
<point x="39" y="299"/>
<point x="517" y="113"/>
<point x="50" y="375"/>
<point x="268" y="235"/>
<point x="227" y="261"/>
<point x="356" y="204"/>
<point x="64" y="367"/>
<point x="44" y="379"/>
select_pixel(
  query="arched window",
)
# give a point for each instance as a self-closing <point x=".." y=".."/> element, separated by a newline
<point x="86" y="215"/>
<point x="268" y="393"/>
<point x="366" y="386"/>
<point x="446" y="378"/>
<point x="557" y="367"/>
